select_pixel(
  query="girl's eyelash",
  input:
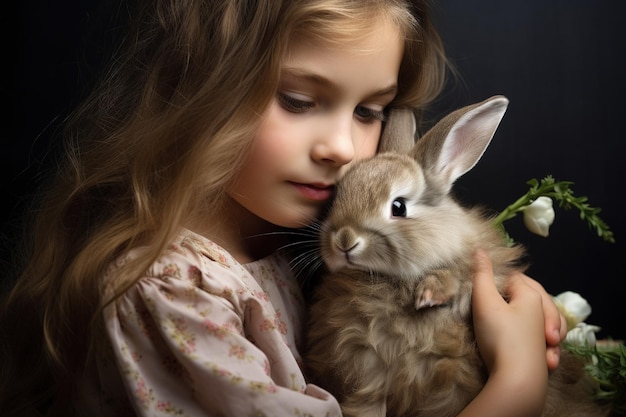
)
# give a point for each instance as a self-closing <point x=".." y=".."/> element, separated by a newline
<point x="370" y="115"/>
<point x="294" y="105"/>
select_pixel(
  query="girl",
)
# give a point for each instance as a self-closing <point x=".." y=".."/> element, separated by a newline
<point x="155" y="283"/>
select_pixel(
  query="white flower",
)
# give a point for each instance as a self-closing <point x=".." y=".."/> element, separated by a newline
<point x="574" y="307"/>
<point x="539" y="215"/>
<point x="582" y="335"/>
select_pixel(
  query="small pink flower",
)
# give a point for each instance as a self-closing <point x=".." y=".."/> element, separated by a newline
<point x="237" y="351"/>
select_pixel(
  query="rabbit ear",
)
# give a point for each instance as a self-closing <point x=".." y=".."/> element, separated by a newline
<point x="456" y="143"/>
<point x="399" y="131"/>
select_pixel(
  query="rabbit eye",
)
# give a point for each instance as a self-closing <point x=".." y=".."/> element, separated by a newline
<point x="398" y="208"/>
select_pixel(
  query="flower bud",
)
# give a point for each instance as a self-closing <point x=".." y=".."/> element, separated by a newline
<point x="574" y="307"/>
<point x="582" y="335"/>
<point x="539" y="215"/>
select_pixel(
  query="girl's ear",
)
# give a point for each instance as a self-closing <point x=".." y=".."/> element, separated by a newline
<point x="398" y="132"/>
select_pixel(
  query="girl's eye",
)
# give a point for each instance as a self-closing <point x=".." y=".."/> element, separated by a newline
<point x="369" y="115"/>
<point x="398" y="207"/>
<point x="293" y="104"/>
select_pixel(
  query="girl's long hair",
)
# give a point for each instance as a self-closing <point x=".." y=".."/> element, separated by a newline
<point x="156" y="143"/>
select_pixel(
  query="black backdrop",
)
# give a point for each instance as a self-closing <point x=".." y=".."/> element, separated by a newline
<point x="560" y="62"/>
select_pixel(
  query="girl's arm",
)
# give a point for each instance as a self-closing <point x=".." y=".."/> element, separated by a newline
<point x="517" y="342"/>
<point x="194" y="338"/>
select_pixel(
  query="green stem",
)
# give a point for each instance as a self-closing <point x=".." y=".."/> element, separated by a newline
<point x="561" y="192"/>
<point x="512" y="210"/>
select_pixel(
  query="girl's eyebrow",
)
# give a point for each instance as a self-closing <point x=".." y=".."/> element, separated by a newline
<point x="327" y="83"/>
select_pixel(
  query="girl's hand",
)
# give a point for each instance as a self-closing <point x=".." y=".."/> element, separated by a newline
<point x="555" y="327"/>
<point x="512" y="342"/>
<point x="509" y="334"/>
<point x="555" y="324"/>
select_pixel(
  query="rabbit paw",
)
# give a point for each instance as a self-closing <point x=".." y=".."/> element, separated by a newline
<point x="435" y="289"/>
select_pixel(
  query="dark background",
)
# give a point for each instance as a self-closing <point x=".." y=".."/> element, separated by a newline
<point x="559" y="62"/>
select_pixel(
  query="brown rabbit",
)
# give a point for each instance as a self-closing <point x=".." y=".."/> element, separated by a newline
<point x="390" y="331"/>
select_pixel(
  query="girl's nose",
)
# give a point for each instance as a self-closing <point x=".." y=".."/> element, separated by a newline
<point x="335" y="144"/>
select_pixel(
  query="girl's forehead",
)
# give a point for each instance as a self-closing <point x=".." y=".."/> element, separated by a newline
<point x="368" y="66"/>
<point x="364" y="39"/>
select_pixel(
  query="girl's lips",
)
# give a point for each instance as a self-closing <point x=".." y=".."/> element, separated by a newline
<point x="316" y="192"/>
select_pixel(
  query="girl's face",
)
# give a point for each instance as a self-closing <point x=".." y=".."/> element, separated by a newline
<point x="327" y="113"/>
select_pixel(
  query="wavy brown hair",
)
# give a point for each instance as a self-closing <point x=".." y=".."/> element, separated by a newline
<point x="156" y="143"/>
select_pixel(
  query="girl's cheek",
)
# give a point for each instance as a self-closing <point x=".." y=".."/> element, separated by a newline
<point x="370" y="144"/>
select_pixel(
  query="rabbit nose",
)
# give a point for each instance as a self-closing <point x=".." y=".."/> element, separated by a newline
<point x="348" y="242"/>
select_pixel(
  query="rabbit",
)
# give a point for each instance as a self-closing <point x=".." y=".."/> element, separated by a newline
<point x="390" y="329"/>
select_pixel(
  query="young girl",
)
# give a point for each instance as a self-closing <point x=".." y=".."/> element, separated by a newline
<point x="156" y="284"/>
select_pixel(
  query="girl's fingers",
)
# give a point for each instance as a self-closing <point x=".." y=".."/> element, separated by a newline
<point x="556" y="327"/>
<point x="485" y="291"/>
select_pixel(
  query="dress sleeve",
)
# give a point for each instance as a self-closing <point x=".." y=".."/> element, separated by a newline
<point x="195" y="340"/>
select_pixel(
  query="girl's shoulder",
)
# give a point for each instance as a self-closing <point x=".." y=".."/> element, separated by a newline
<point x="275" y="265"/>
<point x="193" y="257"/>
<point x="197" y="261"/>
<point x="189" y="258"/>
<point x="189" y="243"/>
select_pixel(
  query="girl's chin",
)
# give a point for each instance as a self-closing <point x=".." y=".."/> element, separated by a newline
<point x="295" y="221"/>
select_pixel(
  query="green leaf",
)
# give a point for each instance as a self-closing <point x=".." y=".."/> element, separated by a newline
<point x="607" y="366"/>
<point x="563" y="194"/>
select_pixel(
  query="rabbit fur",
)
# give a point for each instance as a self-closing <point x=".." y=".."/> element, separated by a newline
<point x="390" y="329"/>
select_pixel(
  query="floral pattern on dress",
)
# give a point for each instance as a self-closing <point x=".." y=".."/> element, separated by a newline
<point x="143" y="394"/>
<point x="218" y="331"/>
<point x="200" y="328"/>
<point x="274" y="323"/>
<point x="168" y="408"/>
<point x="179" y="333"/>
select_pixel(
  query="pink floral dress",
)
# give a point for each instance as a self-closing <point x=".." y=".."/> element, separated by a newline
<point x="202" y="335"/>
